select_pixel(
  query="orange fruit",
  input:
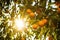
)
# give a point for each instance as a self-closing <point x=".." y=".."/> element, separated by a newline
<point x="40" y="23"/>
<point x="35" y="26"/>
<point x="29" y="11"/>
<point x="32" y="14"/>
<point x="44" y="21"/>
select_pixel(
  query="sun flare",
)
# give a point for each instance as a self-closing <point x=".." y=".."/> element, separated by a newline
<point x="19" y="23"/>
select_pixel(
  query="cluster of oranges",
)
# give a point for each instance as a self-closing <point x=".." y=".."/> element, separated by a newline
<point x="40" y="23"/>
<point x="29" y="11"/>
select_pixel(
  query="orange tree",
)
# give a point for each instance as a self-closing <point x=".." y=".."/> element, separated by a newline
<point x="29" y="19"/>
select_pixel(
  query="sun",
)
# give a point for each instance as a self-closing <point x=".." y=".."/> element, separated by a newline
<point x="19" y="23"/>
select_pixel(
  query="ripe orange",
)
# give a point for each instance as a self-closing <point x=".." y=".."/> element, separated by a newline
<point x="32" y="14"/>
<point x="35" y="26"/>
<point x="44" y="21"/>
<point x="28" y="11"/>
<point x="40" y="23"/>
